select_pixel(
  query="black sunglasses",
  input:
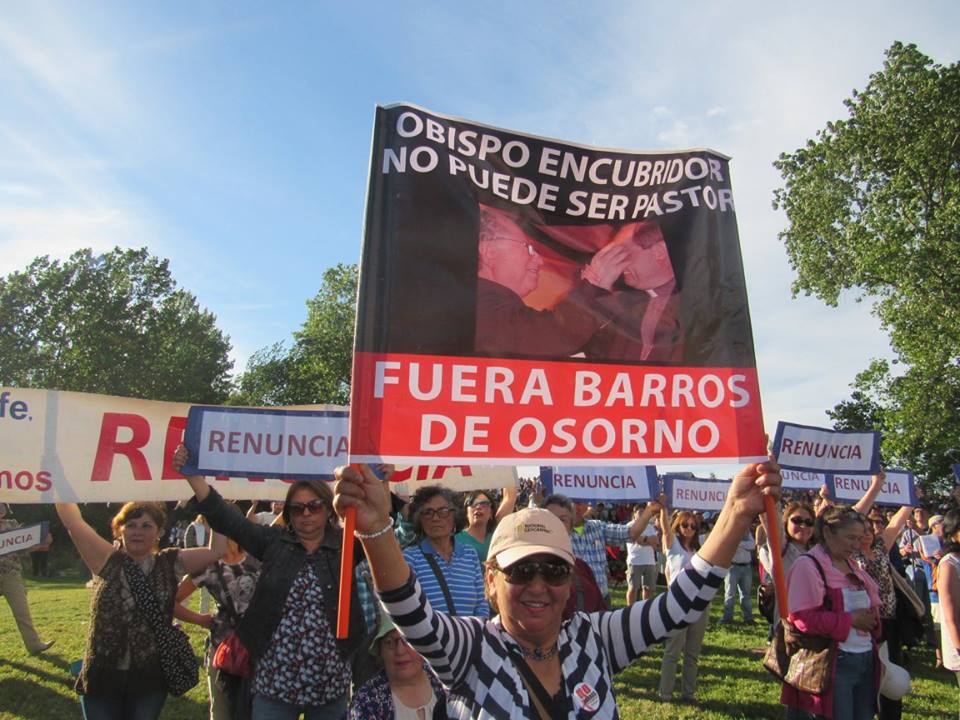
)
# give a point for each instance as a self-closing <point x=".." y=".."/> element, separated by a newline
<point x="521" y="573"/>
<point x="299" y="508"/>
<point x="801" y="521"/>
<point x="442" y="513"/>
<point x="480" y="503"/>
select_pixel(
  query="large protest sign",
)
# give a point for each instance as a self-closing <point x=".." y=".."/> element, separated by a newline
<point x="66" y="446"/>
<point x="801" y="447"/>
<point x="693" y="493"/>
<point x="899" y="488"/>
<point x="528" y="301"/>
<point x="619" y="484"/>
<point x="23" y="538"/>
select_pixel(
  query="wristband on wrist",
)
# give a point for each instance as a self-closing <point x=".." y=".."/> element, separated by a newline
<point x="370" y="536"/>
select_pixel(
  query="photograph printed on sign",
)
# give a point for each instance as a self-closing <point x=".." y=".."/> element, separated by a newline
<point x="526" y="300"/>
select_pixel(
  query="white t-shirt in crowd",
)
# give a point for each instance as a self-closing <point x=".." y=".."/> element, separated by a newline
<point x="642" y="554"/>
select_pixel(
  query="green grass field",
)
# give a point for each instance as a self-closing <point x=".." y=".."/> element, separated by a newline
<point x="732" y="682"/>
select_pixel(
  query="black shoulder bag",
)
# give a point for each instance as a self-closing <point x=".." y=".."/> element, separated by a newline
<point x="432" y="562"/>
<point x="181" y="671"/>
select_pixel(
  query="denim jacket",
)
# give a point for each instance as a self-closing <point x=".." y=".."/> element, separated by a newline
<point x="282" y="557"/>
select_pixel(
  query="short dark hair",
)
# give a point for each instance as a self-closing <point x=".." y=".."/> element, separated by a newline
<point x="836" y="518"/>
<point x="424" y="495"/>
<point x="561" y="500"/>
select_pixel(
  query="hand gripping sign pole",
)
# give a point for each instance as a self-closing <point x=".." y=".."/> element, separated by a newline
<point x="776" y="552"/>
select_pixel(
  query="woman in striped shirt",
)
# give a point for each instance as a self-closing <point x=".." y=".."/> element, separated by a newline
<point x="528" y="662"/>
<point x="449" y="571"/>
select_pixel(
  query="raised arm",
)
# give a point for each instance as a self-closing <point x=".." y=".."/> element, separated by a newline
<point x="196" y="559"/>
<point x="666" y="539"/>
<point x="641" y="519"/>
<point x="892" y="531"/>
<point x="198" y="484"/>
<point x="744" y="502"/>
<point x="508" y="502"/>
<point x="864" y="504"/>
<point x="223" y="517"/>
<point x="184" y="590"/>
<point x="94" y="549"/>
<point x="363" y="491"/>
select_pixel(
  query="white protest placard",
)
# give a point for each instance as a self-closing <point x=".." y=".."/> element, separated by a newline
<point x="802" y="479"/>
<point x="801" y="447"/>
<point x="22" y="538"/>
<point x="265" y="442"/>
<point x="695" y="493"/>
<point x="899" y="488"/>
<point x="620" y="484"/>
<point x="928" y="545"/>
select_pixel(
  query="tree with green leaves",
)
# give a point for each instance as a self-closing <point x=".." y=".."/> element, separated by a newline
<point x="873" y="205"/>
<point x="115" y="324"/>
<point x="316" y="369"/>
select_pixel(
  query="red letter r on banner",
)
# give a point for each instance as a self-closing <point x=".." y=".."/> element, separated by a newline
<point x="108" y="446"/>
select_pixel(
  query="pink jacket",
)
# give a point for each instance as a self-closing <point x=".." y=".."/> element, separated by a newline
<point x="805" y="593"/>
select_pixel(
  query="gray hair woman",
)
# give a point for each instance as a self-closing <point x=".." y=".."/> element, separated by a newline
<point x="449" y="571"/>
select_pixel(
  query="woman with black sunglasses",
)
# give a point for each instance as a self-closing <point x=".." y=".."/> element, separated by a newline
<point x="528" y="662"/>
<point x="297" y="664"/>
<point x="830" y="595"/>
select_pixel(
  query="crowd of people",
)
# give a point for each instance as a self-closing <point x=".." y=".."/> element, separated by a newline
<point x="497" y="603"/>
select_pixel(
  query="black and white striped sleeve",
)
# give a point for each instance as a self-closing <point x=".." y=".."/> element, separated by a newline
<point x="629" y="632"/>
<point x="447" y="643"/>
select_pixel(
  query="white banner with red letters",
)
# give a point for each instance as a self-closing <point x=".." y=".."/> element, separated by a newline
<point x="58" y="446"/>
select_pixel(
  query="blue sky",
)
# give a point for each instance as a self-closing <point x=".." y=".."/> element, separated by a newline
<point x="234" y="138"/>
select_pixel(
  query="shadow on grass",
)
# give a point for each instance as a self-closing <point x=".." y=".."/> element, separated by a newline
<point x="61" y="675"/>
<point x="33" y="701"/>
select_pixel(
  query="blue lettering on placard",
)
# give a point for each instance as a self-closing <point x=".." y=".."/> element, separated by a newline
<point x="14" y="409"/>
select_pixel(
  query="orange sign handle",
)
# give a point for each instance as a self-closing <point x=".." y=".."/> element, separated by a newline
<point x="346" y="572"/>
<point x="773" y="537"/>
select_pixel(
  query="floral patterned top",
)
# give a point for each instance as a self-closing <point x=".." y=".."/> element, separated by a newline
<point x="374" y="701"/>
<point x="301" y="665"/>
<point x="239" y="581"/>
<point x="120" y="638"/>
<point x="879" y="569"/>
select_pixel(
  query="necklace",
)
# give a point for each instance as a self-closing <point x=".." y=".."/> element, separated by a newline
<point x="538" y="654"/>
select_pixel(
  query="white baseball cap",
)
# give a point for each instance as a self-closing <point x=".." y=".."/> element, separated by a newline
<point x="532" y="531"/>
